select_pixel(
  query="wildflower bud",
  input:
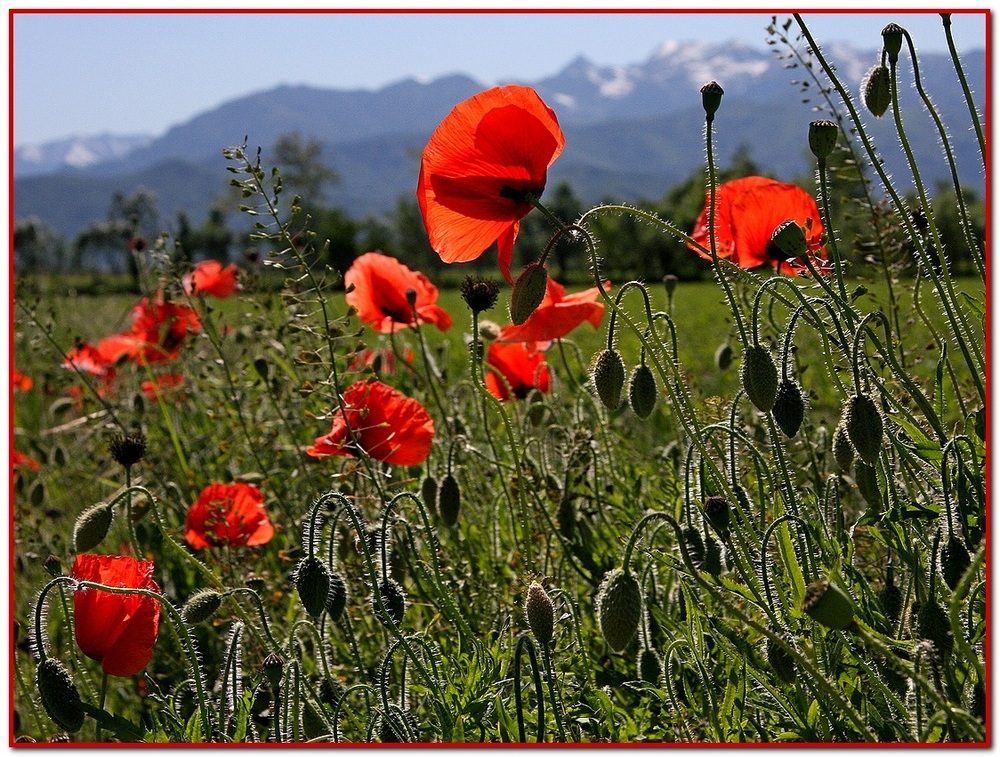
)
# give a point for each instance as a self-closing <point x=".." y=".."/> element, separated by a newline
<point x="781" y="662"/>
<point x="866" y="477"/>
<point x="760" y="377"/>
<point x="449" y="500"/>
<point x="877" y="91"/>
<point x="479" y="294"/>
<point x="717" y="514"/>
<point x="649" y="666"/>
<point x="312" y="580"/>
<point x="619" y="608"/>
<point x="128" y="449"/>
<point x="789" y="408"/>
<point x="826" y="604"/>
<point x="955" y="561"/>
<point x="724" y="356"/>
<point x="711" y="98"/>
<point x="892" y="38"/>
<point x="53" y="566"/>
<point x="201" y="606"/>
<point x="863" y="420"/>
<point x="394" y="600"/>
<point x="713" y="557"/>
<point x="528" y="292"/>
<point x="411" y="296"/>
<point x="790" y="240"/>
<point x="642" y="391"/>
<point x="92" y="526"/>
<point x="670" y="284"/>
<point x="489" y="331"/>
<point x="59" y="696"/>
<point x="608" y="374"/>
<point x="934" y="626"/>
<point x="539" y="612"/>
<point x="919" y="218"/>
<point x="336" y="597"/>
<point x="693" y="545"/>
<point x="429" y="493"/>
<point x="890" y="599"/>
<point x="274" y="669"/>
<point x="256" y="584"/>
<point x="823" y="137"/>
<point x="843" y="450"/>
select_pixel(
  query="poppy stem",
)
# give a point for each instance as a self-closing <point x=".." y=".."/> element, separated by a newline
<point x="133" y="540"/>
<point x="100" y="705"/>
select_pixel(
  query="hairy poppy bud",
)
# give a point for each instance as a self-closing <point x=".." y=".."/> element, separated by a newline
<point x="759" y="376"/>
<point x="619" y="608"/>
<point x="790" y="239"/>
<point x="933" y="625"/>
<point x="642" y="391"/>
<point x="312" y="581"/>
<point x="274" y="669"/>
<point x="826" y="604"/>
<point x="892" y="38"/>
<point x="128" y="449"/>
<point x="608" y="374"/>
<point x="717" y="514"/>
<point x="877" y="91"/>
<point x="429" y="493"/>
<point x="256" y="584"/>
<point x="449" y="500"/>
<point x="53" y="565"/>
<point x="394" y="600"/>
<point x="864" y="425"/>
<point x="711" y="98"/>
<point x="336" y="597"/>
<point x="539" y="612"/>
<point x="781" y="662"/>
<point x="92" y="526"/>
<point x="59" y="696"/>
<point x="713" y="557"/>
<point x="201" y="606"/>
<point x="789" y="408"/>
<point x="866" y="477"/>
<point x="890" y="599"/>
<point x="693" y="545"/>
<point x="479" y="294"/>
<point x="528" y="292"/>
<point x="955" y="561"/>
<point x="649" y="666"/>
<point x="823" y="137"/>
<point x="261" y="367"/>
<point x="724" y="356"/>
<point x="843" y="450"/>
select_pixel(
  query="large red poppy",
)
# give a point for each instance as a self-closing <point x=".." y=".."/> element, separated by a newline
<point x="482" y="160"/>
<point x="117" y="630"/>
<point x="380" y="284"/>
<point x="160" y="327"/>
<point x="209" y="277"/>
<point x="747" y="211"/>
<point x="558" y="314"/>
<point x="523" y="368"/>
<point x="228" y="515"/>
<point x="90" y="360"/>
<point x="386" y="425"/>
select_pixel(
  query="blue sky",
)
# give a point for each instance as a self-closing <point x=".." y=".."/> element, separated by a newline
<point x="142" y="73"/>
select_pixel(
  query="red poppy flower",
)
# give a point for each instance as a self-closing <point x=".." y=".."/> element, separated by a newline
<point x="523" y="368"/>
<point x="386" y="425"/>
<point x="160" y="327"/>
<point x="558" y="314"/>
<point x="228" y="514"/>
<point x="88" y="359"/>
<point x="19" y="381"/>
<point x="379" y="295"/>
<point x="747" y="211"/>
<point x="117" y="630"/>
<point x="209" y="277"/>
<point x="20" y="461"/>
<point x="484" y="158"/>
<point x="163" y="381"/>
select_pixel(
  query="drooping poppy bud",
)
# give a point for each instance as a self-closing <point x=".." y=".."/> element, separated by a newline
<point x="274" y="669"/>
<point x="693" y="545"/>
<point x="789" y="407"/>
<point x="59" y="696"/>
<point x="539" y="612"/>
<point x="843" y="450"/>
<point x="642" y="391"/>
<point x="312" y="581"/>
<point x="724" y="356"/>
<point x="890" y="599"/>
<point x="608" y="374"/>
<point x="336" y="597"/>
<point x="955" y="561"/>
<point x="828" y="605"/>
<point x="449" y="500"/>
<point x="92" y="526"/>
<point x="759" y="376"/>
<point x="619" y="608"/>
<point x="866" y="477"/>
<point x="528" y="292"/>
<point x="201" y="606"/>
<point x="877" y="91"/>
<point x="394" y="599"/>
<point x="649" y="666"/>
<point x="781" y="662"/>
<point x="863" y="420"/>
<point x="717" y="513"/>
<point x="933" y="625"/>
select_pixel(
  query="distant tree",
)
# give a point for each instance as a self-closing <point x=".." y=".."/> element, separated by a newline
<point x="302" y="168"/>
<point x="412" y="245"/>
<point x="376" y="234"/>
<point x="37" y="247"/>
<point x="537" y="230"/>
<point x="335" y="232"/>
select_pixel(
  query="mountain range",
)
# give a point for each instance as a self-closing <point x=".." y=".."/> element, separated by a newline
<point x="632" y="132"/>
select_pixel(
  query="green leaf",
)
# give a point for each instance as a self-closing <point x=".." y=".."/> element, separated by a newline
<point x="922" y="445"/>
<point x="124" y="730"/>
<point x="192" y="732"/>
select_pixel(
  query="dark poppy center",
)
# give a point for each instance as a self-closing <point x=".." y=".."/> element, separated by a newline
<point x="522" y="196"/>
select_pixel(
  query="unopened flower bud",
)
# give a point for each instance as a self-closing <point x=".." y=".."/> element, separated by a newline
<point x="827" y="604"/>
<point x="823" y="137"/>
<point x="539" y="612"/>
<point x="790" y="240"/>
<point x="411" y="296"/>
<point x="642" y="391"/>
<point x="394" y="600"/>
<point x="128" y="449"/>
<point x="608" y="374"/>
<point x="336" y="598"/>
<point x="59" y="696"/>
<point x="201" y="606"/>
<point x="53" y="566"/>
<point x="877" y="91"/>
<point x="717" y="514"/>
<point x="670" y="284"/>
<point x="274" y="669"/>
<point x="711" y="98"/>
<point x="724" y="356"/>
<point x="892" y="38"/>
<point x="863" y="420"/>
<point x="843" y="450"/>
<point x="619" y="608"/>
<point x="649" y="666"/>
<point x="759" y="376"/>
<point x="933" y="625"/>
<point x="781" y="662"/>
<point x="256" y="584"/>
<point x="92" y="526"/>
<point x="312" y="580"/>
<point x="449" y="502"/>
<point x="528" y="292"/>
<point x="955" y="561"/>
<point x="789" y="407"/>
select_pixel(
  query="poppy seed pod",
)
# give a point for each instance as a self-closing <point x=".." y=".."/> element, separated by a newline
<point x="539" y="612"/>
<point x="619" y="608"/>
<point x="128" y="449"/>
<point x="759" y="376"/>
<point x="711" y="98"/>
<point x="53" y="565"/>
<point x="670" y="284"/>
<point x="649" y="666"/>
<point x="828" y="605"/>
<point x="642" y="391"/>
<point x="713" y="557"/>
<point x="608" y="374"/>
<point x="336" y="597"/>
<point x="274" y="669"/>
<point x="724" y="356"/>
<point x="890" y="599"/>
<point x="479" y="294"/>
<point x="863" y="420"/>
<point x="394" y="600"/>
<point x="955" y="561"/>
<point x="823" y="137"/>
<point x="312" y="581"/>
<point x="716" y="511"/>
<point x="789" y="408"/>
<point x="201" y="606"/>
<point x="449" y="502"/>
<point x="843" y="450"/>
<point x="877" y="91"/>
<point x="866" y="477"/>
<point x="59" y="696"/>
<point x="528" y="292"/>
<point x="892" y="38"/>
<point x="693" y="545"/>
<point x="92" y="526"/>
<point x="781" y="662"/>
<point x="789" y="238"/>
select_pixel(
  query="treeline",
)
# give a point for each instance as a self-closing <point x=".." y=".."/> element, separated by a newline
<point x="867" y="228"/>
